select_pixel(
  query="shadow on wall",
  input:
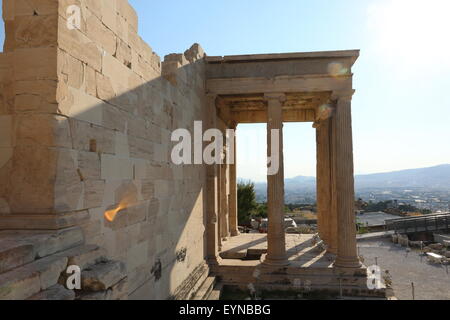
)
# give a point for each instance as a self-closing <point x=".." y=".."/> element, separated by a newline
<point x="117" y="159"/>
<point x="110" y="154"/>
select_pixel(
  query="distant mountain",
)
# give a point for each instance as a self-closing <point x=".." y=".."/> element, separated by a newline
<point x="437" y="177"/>
<point x="433" y="177"/>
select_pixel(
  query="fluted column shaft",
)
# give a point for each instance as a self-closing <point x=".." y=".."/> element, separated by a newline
<point x="323" y="168"/>
<point x="233" y="190"/>
<point x="223" y="193"/>
<point x="211" y="192"/>
<point x="347" y="256"/>
<point x="276" y="242"/>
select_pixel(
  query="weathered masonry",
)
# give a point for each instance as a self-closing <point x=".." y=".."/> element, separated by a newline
<point x="86" y="179"/>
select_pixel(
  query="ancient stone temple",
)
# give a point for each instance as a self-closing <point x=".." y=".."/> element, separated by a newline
<point x="87" y="110"/>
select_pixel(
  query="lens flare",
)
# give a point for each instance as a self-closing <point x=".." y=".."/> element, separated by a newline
<point x="325" y="111"/>
<point x="111" y="214"/>
<point x="336" y="69"/>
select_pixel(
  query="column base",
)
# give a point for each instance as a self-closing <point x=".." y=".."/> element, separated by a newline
<point x="276" y="262"/>
<point x="235" y="233"/>
<point x="213" y="261"/>
<point x="351" y="262"/>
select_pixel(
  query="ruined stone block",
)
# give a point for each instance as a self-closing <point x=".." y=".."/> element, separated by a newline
<point x="84" y="256"/>
<point x="103" y="275"/>
<point x="58" y="241"/>
<point x="48" y="269"/>
<point x="13" y="254"/>
<point x="56" y="292"/>
<point x="19" y="284"/>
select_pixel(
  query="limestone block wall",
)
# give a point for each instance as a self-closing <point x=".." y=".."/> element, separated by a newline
<point x="89" y="113"/>
<point x="6" y="121"/>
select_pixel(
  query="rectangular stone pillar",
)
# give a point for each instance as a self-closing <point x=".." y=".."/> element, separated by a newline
<point x="347" y="256"/>
<point x="233" y="209"/>
<point x="212" y="203"/>
<point x="276" y="242"/>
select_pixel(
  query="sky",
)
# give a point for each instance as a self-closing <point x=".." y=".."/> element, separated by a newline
<point x="401" y="108"/>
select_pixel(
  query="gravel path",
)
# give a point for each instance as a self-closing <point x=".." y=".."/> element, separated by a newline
<point x="431" y="282"/>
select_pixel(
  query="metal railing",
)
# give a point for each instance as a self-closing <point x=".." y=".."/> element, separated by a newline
<point x="430" y="222"/>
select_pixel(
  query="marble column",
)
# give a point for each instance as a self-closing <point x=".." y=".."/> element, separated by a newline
<point x="224" y="229"/>
<point x="347" y="256"/>
<point x="211" y="195"/>
<point x="233" y="187"/>
<point x="323" y="183"/>
<point x="276" y="242"/>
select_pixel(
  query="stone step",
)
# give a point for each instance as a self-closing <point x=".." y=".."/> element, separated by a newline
<point x="102" y="276"/>
<point x="44" y="243"/>
<point x="205" y="289"/>
<point x="56" y="292"/>
<point x="216" y="292"/>
<point x="28" y="280"/>
<point x="118" y="291"/>
<point x="13" y="254"/>
<point x="198" y="284"/>
<point x="84" y="256"/>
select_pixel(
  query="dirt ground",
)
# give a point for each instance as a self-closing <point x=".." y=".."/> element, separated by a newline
<point x="431" y="282"/>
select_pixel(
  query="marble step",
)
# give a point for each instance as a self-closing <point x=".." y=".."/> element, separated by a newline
<point x="32" y="278"/>
<point x="205" y="289"/>
<point x="84" y="256"/>
<point x="118" y="291"/>
<point x="102" y="276"/>
<point x="56" y="292"/>
<point x="19" y="247"/>
<point x="13" y="254"/>
<point x="216" y="292"/>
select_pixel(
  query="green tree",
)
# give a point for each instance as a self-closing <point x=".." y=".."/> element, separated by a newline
<point x="261" y="210"/>
<point x="246" y="202"/>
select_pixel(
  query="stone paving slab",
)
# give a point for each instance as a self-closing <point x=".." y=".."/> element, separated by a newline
<point x="299" y="247"/>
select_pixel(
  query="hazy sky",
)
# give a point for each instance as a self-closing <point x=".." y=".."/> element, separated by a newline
<point x="401" y="108"/>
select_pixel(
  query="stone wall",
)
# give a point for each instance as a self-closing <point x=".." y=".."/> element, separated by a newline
<point x="6" y="141"/>
<point x="85" y="125"/>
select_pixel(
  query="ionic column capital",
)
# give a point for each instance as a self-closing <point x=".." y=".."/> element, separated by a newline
<point x="277" y="96"/>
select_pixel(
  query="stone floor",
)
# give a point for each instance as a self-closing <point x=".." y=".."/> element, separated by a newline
<point x="301" y="250"/>
<point x="430" y="281"/>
